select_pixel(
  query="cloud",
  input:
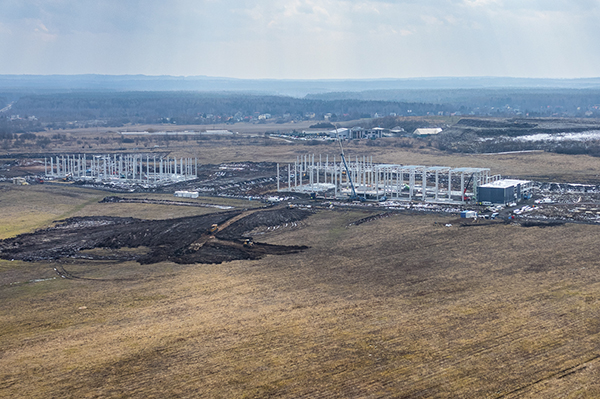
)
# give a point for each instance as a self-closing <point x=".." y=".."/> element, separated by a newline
<point x="302" y="38"/>
<point x="44" y="33"/>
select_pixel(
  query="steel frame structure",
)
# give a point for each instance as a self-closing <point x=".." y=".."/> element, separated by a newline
<point x="124" y="168"/>
<point x="436" y="184"/>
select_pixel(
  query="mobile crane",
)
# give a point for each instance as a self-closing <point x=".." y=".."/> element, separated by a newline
<point x="353" y="196"/>
<point x="464" y="197"/>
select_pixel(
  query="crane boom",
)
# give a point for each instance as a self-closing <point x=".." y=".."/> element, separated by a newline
<point x="467" y="186"/>
<point x="353" y="195"/>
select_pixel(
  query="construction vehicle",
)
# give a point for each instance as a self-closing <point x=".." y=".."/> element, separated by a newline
<point x="20" y="181"/>
<point x="464" y="196"/>
<point x="213" y="228"/>
<point x="353" y="196"/>
<point x="248" y="242"/>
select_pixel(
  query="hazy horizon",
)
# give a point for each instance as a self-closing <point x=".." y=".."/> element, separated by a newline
<point x="289" y="87"/>
<point x="440" y="77"/>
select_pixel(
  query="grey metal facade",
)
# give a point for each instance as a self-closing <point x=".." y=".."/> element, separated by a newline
<point x="496" y="195"/>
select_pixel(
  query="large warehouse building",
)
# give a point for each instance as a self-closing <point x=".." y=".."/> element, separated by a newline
<point x="504" y="191"/>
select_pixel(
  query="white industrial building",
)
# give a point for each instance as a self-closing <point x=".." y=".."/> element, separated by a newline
<point x="427" y="131"/>
<point x="186" y="194"/>
<point x="358" y="133"/>
<point x="343" y="133"/>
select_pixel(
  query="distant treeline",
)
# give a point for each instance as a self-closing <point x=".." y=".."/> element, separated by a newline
<point x="113" y="109"/>
<point x="8" y="127"/>
<point x="33" y="112"/>
<point x="491" y="102"/>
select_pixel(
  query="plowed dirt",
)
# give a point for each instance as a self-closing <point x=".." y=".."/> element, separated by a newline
<point x="183" y="240"/>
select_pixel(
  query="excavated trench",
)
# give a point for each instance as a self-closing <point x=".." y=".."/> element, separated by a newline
<point x="183" y="240"/>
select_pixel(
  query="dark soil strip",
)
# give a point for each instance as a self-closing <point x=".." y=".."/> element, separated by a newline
<point x="182" y="240"/>
<point x="114" y="199"/>
<point x="370" y="218"/>
<point x="535" y="223"/>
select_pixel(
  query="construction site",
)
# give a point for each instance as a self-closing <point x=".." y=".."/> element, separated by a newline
<point x="358" y="182"/>
<point x="362" y="179"/>
<point x="122" y="168"/>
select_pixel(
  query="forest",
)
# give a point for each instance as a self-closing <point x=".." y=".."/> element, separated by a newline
<point x="112" y="109"/>
<point x="492" y="101"/>
<point x="27" y="111"/>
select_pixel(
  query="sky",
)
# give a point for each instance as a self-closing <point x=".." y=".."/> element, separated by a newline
<point x="302" y="39"/>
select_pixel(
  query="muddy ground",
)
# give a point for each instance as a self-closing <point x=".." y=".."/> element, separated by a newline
<point x="182" y="240"/>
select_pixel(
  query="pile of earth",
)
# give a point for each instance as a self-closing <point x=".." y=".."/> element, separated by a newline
<point x="183" y="240"/>
<point x="498" y="135"/>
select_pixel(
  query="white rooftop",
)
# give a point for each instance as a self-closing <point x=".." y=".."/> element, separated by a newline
<point x="427" y="131"/>
<point x="505" y="183"/>
<point x="339" y="130"/>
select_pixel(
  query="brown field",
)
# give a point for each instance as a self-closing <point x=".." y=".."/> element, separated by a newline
<point x="25" y="208"/>
<point x="396" y="307"/>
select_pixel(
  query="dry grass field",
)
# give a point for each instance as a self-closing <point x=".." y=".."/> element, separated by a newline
<point x="397" y="307"/>
<point x="539" y="166"/>
<point x="26" y="208"/>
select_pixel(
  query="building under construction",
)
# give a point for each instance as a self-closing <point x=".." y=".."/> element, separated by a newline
<point x="371" y="181"/>
<point x="142" y="169"/>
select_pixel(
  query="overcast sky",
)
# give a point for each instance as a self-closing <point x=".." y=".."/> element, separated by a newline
<point x="302" y="39"/>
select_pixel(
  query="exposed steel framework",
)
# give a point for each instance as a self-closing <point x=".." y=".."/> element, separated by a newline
<point x="438" y="184"/>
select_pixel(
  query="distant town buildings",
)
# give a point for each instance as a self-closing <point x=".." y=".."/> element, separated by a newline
<point x="358" y="133"/>
<point x="352" y="133"/>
